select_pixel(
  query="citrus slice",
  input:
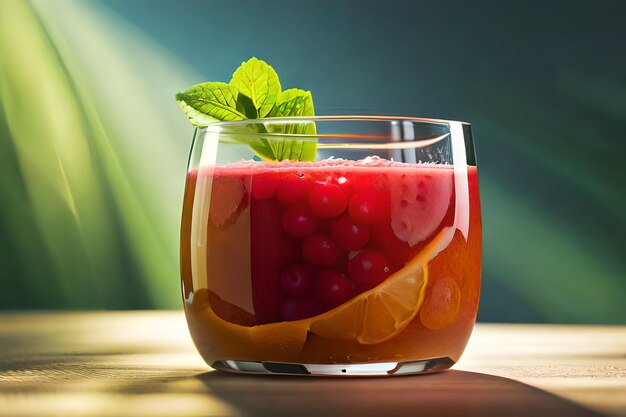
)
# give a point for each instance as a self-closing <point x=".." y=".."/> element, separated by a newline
<point x="371" y="317"/>
<point x="379" y="314"/>
<point x="442" y="305"/>
<point x="384" y="311"/>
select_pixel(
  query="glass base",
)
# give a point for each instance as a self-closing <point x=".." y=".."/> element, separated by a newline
<point x="360" y="369"/>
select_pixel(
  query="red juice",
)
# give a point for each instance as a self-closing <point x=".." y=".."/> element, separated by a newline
<point x="331" y="262"/>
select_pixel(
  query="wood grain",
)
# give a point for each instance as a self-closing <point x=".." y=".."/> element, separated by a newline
<point x="144" y="364"/>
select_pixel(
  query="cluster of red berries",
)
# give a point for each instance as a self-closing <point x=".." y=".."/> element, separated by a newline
<point x="331" y="220"/>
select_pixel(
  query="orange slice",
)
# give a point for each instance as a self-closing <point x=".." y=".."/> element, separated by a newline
<point x="370" y="318"/>
<point x="384" y="311"/>
<point x="442" y="304"/>
<point x="379" y="314"/>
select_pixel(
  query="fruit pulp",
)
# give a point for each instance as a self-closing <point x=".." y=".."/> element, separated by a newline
<point x="330" y="262"/>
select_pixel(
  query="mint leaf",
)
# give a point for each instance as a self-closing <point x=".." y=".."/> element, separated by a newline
<point x="251" y="135"/>
<point x="197" y="118"/>
<point x="257" y="80"/>
<point x="209" y="102"/>
<point x="246" y="106"/>
<point x="294" y="102"/>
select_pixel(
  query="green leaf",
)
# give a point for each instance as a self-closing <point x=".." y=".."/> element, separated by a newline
<point x="257" y="80"/>
<point x="294" y="102"/>
<point x="209" y="102"/>
<point x="246" y="106"/>
<point x="197" y="119"/>
<point x="252" y="135"/>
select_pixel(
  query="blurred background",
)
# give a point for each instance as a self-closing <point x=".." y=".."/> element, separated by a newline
<point x="93" y="148"/>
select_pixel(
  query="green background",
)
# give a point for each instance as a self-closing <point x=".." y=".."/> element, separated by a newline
<point x="93" y="148"/>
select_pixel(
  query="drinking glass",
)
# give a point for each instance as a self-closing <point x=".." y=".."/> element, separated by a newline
<point x="359" y="254"/>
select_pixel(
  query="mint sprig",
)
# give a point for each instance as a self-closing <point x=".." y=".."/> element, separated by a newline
<point x="254" y="92"/>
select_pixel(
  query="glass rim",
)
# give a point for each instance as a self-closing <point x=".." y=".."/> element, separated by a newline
<point x="372" y="140"/>
<point x="335" y="118"/>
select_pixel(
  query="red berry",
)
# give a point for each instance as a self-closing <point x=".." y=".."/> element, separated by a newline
<point x="300" y="308"/>
<point x="382" y="237"/>
<point x="298" y="222"/>
<point x="349" y="235"/>
<point x="292" y="188"/>
<point x="368" y="267"/>
<point x="327" y="200"/>
<point x="320" y="250"/>
<point x="295" y="280"/>
<point x="369" y="206"/>
<point x="345" y="184"/>
<point x="332" y="287"/>
<point x="263" y="186"/>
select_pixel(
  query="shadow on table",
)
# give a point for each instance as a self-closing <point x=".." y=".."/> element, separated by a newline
<point x="450" y="393"/>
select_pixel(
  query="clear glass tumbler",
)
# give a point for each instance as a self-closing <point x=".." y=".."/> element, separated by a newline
<point x="360" y="254"/>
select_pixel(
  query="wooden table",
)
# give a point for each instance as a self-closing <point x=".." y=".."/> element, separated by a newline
<point x="144" y="364"/>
